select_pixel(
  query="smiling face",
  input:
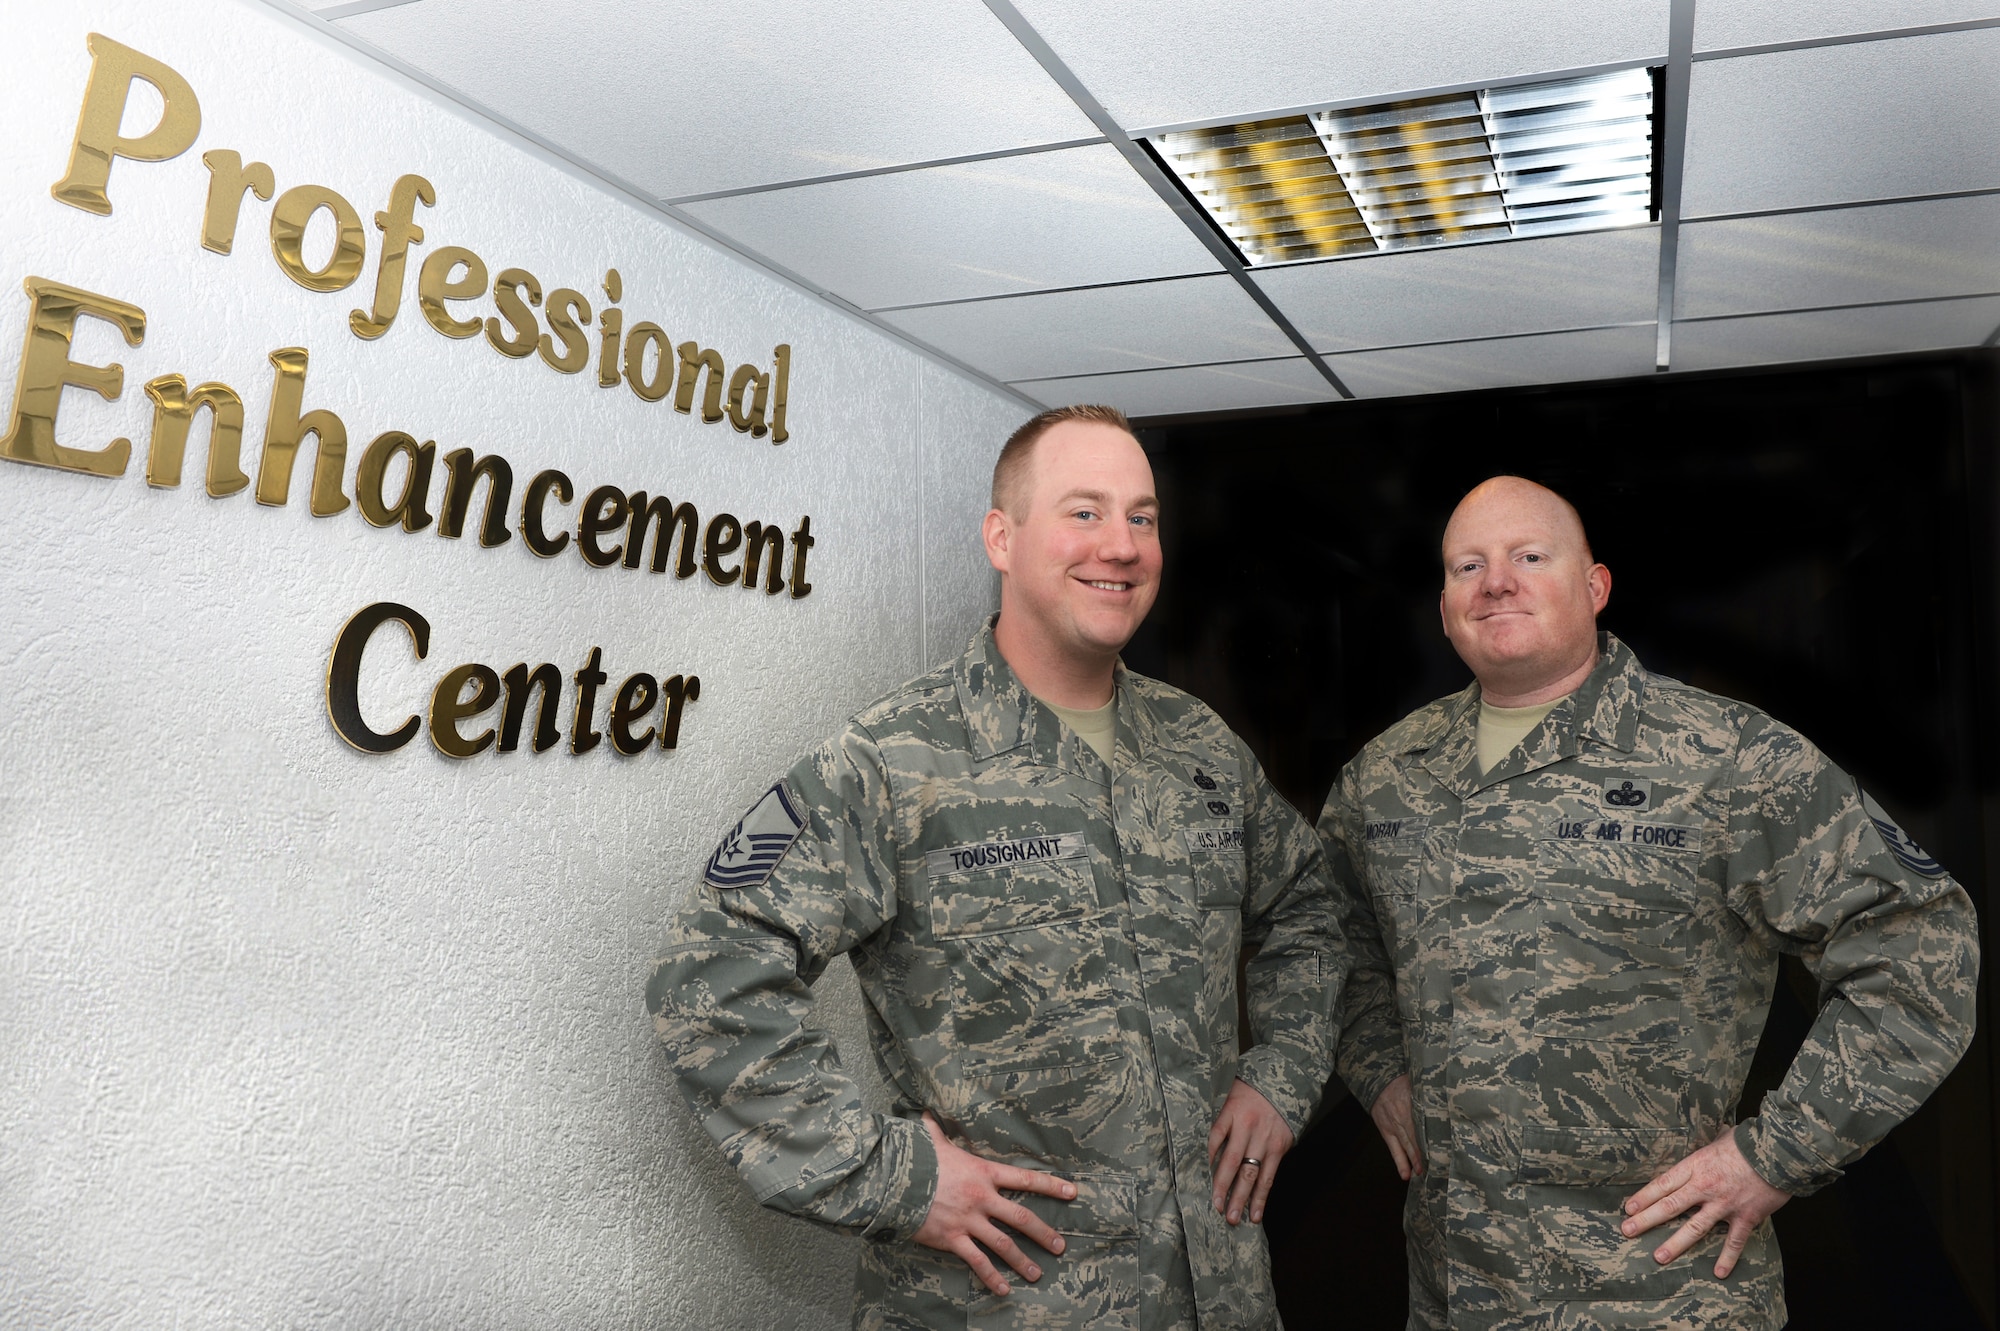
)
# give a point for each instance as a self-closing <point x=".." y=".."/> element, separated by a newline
<point x="1521" y="592"/>
<point x="1079" y="560"/>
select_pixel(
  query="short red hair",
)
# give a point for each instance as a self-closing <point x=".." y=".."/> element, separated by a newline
<point x="1010" y="470"/>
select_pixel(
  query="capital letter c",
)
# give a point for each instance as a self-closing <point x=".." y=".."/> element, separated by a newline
<point x="343" y="676"/>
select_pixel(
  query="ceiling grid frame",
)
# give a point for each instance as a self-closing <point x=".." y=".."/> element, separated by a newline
<point x="866" y="173"/>
<point x="1844" y="39"/>
<point x="1671" y="153"/>
<point x="1162" y="184"/>
<point x="1880" y="202"/>
<point x="1154" y="369"/>
<point x="1042" y="291"/>
<point x="354" y="7"/>
<point x="1485" y="337"/>
<point x="1845" y="305"/>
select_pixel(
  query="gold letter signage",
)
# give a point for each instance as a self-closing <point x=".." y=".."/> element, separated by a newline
<point x="473" y="708"/>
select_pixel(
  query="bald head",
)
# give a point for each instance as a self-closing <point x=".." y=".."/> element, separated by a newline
<point x="1515" y="497"/>
<point x="1521" y="591"/>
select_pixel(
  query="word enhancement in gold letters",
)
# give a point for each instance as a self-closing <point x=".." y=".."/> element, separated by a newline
<point x="46" y="367"/>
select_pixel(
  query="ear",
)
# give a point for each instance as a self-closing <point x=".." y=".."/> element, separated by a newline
<point x="1444" y="621"/>
<point x="1599" y="581"/>
<point x="998" y="533"/>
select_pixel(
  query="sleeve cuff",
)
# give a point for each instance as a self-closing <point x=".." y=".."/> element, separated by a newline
<point x="882" y="1195"/>
<point x="1368" y="1065"/>
<point x="1273" y="1074"/>
<point x="1367" y="1085"/>
<point x="911" y="1161"/>
<point x="1787" y="1165"/>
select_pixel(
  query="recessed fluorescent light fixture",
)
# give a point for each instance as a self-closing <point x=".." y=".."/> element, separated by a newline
<point x="1529" y="160"/>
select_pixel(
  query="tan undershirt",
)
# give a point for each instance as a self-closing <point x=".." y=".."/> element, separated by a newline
<point x="1098" y="727"/>
<point x="1502" y="728"/>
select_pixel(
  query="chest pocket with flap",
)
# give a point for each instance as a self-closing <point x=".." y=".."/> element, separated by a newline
<point x="1001" y="886"/>
<point x="1201" y="817"/>
<point x="1617" y="903"/>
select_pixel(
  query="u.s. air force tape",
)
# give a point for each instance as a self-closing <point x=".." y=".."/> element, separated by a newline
<point x="759" y="840"/>
<point x="994" y="856"/>
<point x="1213" y="840"/>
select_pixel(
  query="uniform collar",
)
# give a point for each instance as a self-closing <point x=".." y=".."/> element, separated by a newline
<point x="1001" y="715"/>
<point x="1604" y="710"/>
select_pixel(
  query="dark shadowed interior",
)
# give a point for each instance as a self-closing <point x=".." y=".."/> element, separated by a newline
<point x="1820" y="542"/>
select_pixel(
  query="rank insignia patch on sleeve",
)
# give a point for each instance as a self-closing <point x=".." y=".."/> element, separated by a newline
<point x="759" y="840"/>
<point x="1907" y="852"/>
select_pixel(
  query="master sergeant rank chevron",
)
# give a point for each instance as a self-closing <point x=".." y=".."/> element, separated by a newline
<point x="1901" y="844"/>
<point x="759" y="840"/>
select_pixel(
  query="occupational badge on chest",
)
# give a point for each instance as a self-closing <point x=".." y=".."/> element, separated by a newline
<point x="1625" y="795"/>
<point x="751" y="851"/>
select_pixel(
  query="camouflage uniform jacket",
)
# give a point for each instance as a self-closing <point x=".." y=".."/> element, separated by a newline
<point x="1574" y="954"/>
<point x="1049" y="951"/>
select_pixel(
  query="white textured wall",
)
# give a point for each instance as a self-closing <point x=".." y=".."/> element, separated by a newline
<point x="294" y="1037"/>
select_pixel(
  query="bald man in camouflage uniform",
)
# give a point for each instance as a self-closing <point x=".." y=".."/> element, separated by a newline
<point x="1568" y="957"/>
<point x="1048" y="939"/>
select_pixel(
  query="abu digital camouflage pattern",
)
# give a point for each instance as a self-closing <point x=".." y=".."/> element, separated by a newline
<point x="1574" y="956"/>
<point x="1048" y="946"/>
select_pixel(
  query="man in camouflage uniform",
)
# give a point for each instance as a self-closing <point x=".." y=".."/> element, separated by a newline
<point x="1048" y="939"/>
<point x="1566" y="959"/>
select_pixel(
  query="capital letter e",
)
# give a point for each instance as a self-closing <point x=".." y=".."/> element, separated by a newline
<point x="53" y="310"/>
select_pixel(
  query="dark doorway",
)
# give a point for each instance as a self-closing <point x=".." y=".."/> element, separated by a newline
<point x="1823" y="543"/>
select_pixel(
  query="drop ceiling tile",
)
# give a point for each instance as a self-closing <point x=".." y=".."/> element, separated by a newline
<point x="1848" y="256"/>
<point x="1183" y="321"/>
<point x="1271" y="383"/>
<point x="1876" y="330"/>
<point x="1468" y="291"/>
<point x="1841" y="124"/>
<point x="1547" y="358"/>
<point x="686" y="98"/>
<point x="1176" y="61"/>
<point x="1073" y="217"/>
<point x="1719" y="24"/>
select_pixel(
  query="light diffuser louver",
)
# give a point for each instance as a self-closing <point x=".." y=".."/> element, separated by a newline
<point x="1533" y="159"/>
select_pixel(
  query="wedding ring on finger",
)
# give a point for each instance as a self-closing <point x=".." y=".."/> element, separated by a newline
<point x="1251" y="1162"/>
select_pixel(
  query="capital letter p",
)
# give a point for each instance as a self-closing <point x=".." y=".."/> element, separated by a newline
<point x="112" y="69"/>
